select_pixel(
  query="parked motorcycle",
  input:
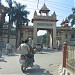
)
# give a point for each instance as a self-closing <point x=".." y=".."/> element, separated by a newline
<point x="25" y="62"/>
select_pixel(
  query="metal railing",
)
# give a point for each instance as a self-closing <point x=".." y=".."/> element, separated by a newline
<point x="70" y="58"/>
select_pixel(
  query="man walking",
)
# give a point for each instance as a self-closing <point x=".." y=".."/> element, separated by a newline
<point x="8" y="48"/>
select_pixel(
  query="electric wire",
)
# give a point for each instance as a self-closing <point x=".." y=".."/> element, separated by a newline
<point x="49" y="2"/>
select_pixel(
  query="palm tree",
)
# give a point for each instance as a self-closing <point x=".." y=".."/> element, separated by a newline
<point x="20" y="16"/>
<point x="2" y="20"/>
<point x="2" y="17"/>
<point x="71" y="17"/>
<point x="10" y="14"/>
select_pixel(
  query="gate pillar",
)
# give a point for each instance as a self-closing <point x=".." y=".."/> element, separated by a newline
<point x="64" y="54"/>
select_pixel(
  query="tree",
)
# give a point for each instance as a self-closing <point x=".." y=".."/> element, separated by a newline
<point x="2" y="17"/>
<point x="10" y="14"/>
<point x="71" y="17"/>
<point x="20" y="17"/>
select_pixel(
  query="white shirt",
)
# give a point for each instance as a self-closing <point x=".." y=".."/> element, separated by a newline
<point x="23" y="48"/>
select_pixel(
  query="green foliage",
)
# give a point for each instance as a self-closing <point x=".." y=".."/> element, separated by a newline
<point x="20" y="14"/>
<point x="44" y="39"/>
<point x="2" y="21"/>
<point x="71" y="17"/>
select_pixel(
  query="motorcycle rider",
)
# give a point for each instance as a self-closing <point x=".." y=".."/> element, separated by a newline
<point x="24" y="49"/>
<point x="8" y="48"/>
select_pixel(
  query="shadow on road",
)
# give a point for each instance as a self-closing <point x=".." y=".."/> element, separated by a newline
<point x="36" y="70"/>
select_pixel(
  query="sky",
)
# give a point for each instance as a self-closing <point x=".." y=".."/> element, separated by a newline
<point x="62" y="8"/>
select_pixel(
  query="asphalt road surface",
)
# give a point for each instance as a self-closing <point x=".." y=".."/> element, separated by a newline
<point x="46" y="63"/>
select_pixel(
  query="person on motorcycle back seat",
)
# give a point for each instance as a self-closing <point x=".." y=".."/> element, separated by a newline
<point x="31" y="52"/>
<point x="31" y="49"/>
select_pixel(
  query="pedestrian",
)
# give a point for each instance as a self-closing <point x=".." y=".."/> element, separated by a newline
<point x="41" y="47"/>
<point x="1" y="46"/>
<point x="8" y="48"/>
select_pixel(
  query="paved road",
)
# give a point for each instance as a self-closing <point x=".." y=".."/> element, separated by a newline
<point x="46" y="63"/>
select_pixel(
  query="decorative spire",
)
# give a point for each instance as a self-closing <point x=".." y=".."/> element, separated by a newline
<point x="35" y="13"/>
<point x="44" y="9"/>
<point x="65" y="22"/>
<point x="54" y="14"/>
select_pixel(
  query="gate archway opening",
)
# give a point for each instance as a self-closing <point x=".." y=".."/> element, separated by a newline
<point x="45" y="39"/>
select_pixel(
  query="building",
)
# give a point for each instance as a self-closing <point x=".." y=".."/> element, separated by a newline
<point x="58" y="35"/>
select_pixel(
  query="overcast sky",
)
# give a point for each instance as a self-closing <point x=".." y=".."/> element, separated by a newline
<point x="61" y="7"/>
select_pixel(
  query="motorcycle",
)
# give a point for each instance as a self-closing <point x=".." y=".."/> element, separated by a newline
<point x="25" y="62"/>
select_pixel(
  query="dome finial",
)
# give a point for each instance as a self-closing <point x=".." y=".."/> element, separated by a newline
<point x="35" y="13"/>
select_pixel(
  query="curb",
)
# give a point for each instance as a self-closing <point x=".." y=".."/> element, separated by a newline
<point x="64" y="71"/>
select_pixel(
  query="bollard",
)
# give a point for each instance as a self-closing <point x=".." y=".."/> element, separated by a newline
<point x="64" y="54"/>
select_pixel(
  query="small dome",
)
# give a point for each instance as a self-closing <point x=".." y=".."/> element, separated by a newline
<point x="44" y="9"/>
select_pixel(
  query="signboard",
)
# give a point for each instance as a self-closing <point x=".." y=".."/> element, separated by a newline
<point x="44" y="24"/>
